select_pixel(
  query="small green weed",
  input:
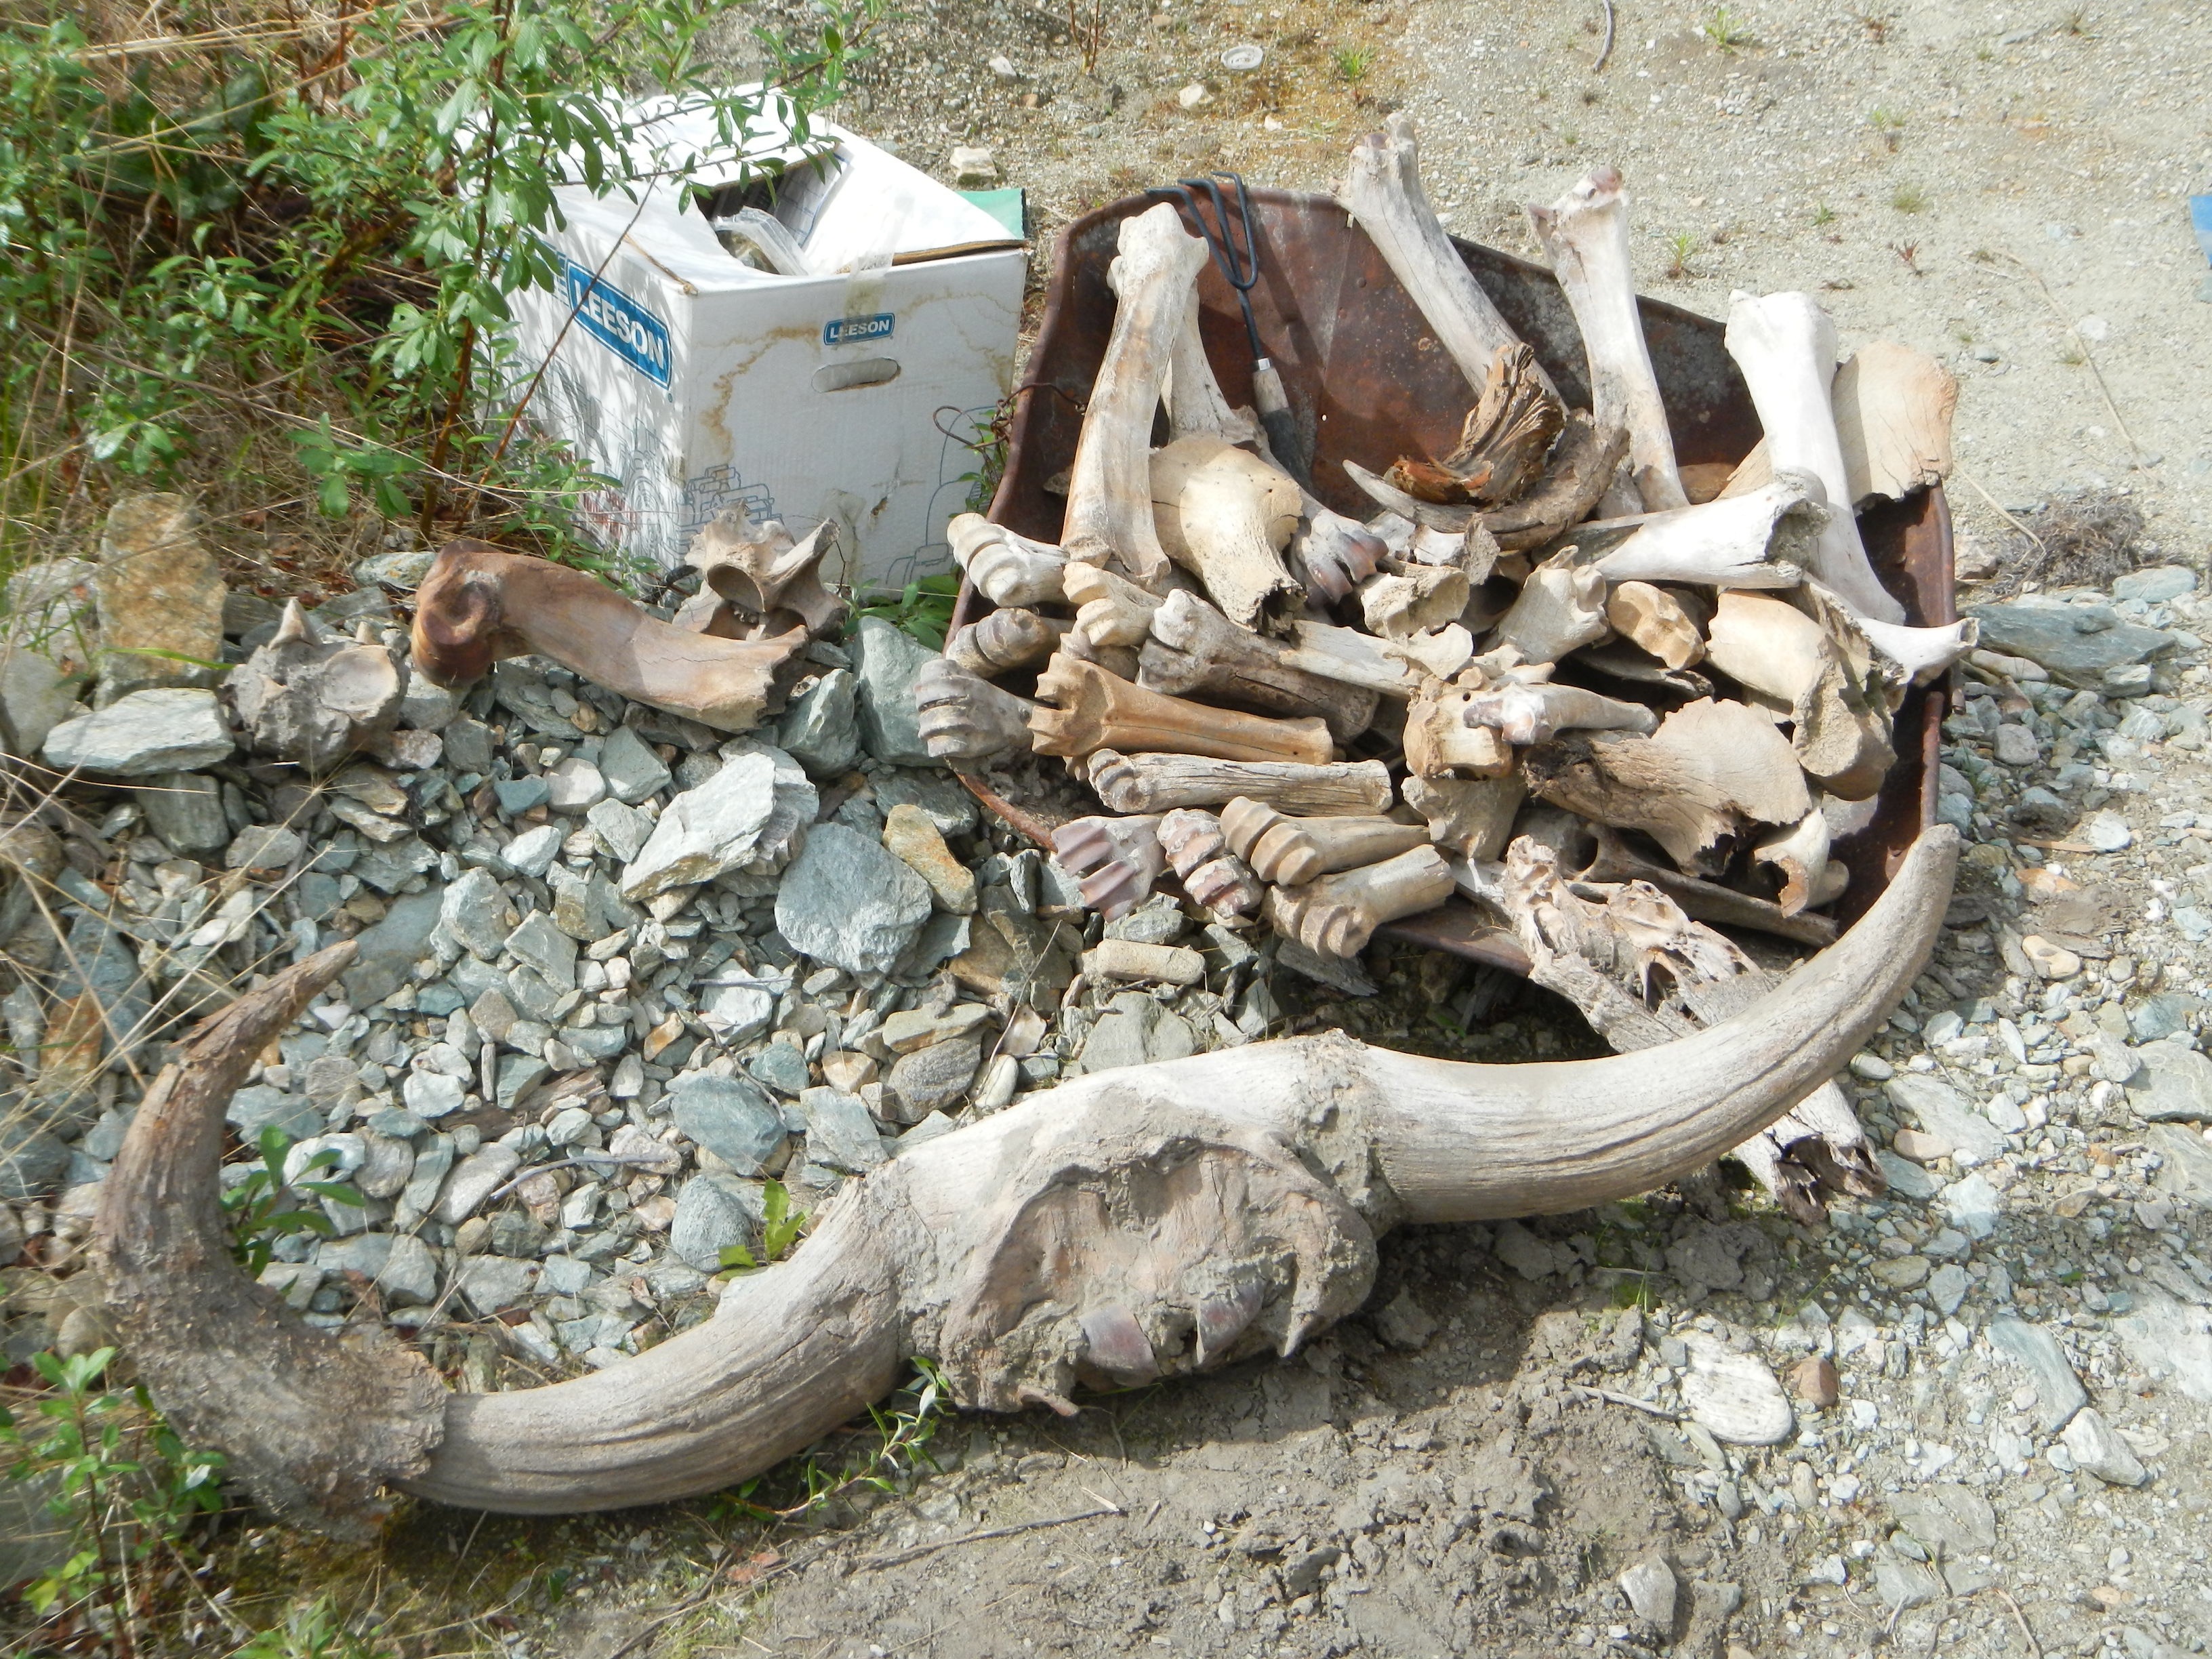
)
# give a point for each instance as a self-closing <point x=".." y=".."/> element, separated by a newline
<point x="1679" y="246"/>
<point x="1888" y="125"/>
<point x="924" y="610"/>
<point x="312" y="1630"/>
<point x="1725" y="30"/>
<point x="263" y="1208"/>
<point x="1353" y="64"/>
<point x="1909" y="198"/>
<point x="780" y="1225"/>
<point x="1823" y="215"/>
<point x="898" y="1447"/>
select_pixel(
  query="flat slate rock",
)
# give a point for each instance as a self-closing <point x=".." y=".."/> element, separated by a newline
<point x="1942" y="1111"/>
<point x="2058" y="1392"/>
<point x="173" y="729"/>
<point x="885" y="662"/>
<point x="2077" y="641"/>
<point x="2175" y="1085"/>
<point x="846" y="902"/>
<point x="2187" y="1171"/>
<point x="732" y="1117"/>
<point x="1735" y="1396"/>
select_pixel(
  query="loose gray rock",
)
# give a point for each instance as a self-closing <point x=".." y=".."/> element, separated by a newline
<point x="846" y="902"/>
<point x="160" y="598"/>
<point x="885" y="663"/>
<point x="530" y="854"/>
<point x="738" y="1006"/>
<point x="1947" y="1287"/>
<point x="706" y="831"/>
<point x="400" y="1265"/>
<point x="32" y="1161"/>
<point x="1134" y="1031"/>
<point x="934" y="790"/>
<point x="1972" y="1205"/>
<point x="175" y="729"/>
<point x="254" y="1108"/>
<point x="1949" y="1517"/>
<point x="1902" y="1583"/>
<point x="782" y="1067"/>
<point x="2186" y="1172"/>
<point x="474" y="1180"/>
<point x="1943" y="1112"/>
<point x="574" y="785"/>
<point x="2076" y="642"/>
<point x="1906" y="1178"/>
<point x="713" y="1213"/>
<point x="490" y="1282"/>
<point x="2058" y="1392"/>
<point x="263" y="848"/>
<point x="476" y="914"/>
<point x="386" y="1167"/>
<point x="821" y="730"/>
<point x="1404" y="1323"/>
<point x="1651" y="1589"/>
<point x="2097" y="1448"/>
<point x="468" y="745"/>
<point x="840" y="1135"/>
<point x="2156" y="585"/>
<point x="184" y="809"/>
<point x="2164" y="1015"/>
<point x="632" y="773"/>
<point x="1735" y="1396"/>
<point x="732" y="1117"/>
<point x="539" y="945"/>
<point x="386" y="953"/>
<point x="933" y="1078"/>
<point x="2175" y="1084"/>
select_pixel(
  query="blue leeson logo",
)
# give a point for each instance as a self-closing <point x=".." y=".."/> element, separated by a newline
<point x="850" y="330"/>
<point x="616" y="321"/>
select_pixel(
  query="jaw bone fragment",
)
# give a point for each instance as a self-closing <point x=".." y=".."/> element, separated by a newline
<point x="1015" y="571"/>
<point x="1709" y="768"/>
<point x="1111" y="610"/>
<point x="1336" y="915"/>
<point x="1585" y="234"/>
<point x="1527" y="714"/>
<point x="1195" y="649"/>
<point x="764" y="575"/>
<point x="1657" y="621"/>
<point x="1441" y="740"/>
<point x="313" y="699"/>
<point x="1823" y="672"/>
<point x="1893" y="407"/>
<point x="1019" y="1274"/>
<point x="1109" y="486"/>
<point x="1154" y="783"/>
<point x="966" y="718"/>
<point x="1290" y="851"/>
<point x="1224" y="515"/>
<point x="1502" y="444"/>
<point x="478" y="605"/>
<point x="1561" y="607"/>
<point x="1005" y="639"/>
<point x="1382" y="193"/>
<point x="1118" y="858"/>
<point x="1768" y="538"/>
<point x="1413" y="599"/>
<point x="1786" y="345"/>
<point x="1210" y="872"/>
<point x="1098" y="710"/>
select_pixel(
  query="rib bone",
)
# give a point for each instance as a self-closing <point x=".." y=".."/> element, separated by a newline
<point x="1786" y="346"/>
<point x="478" y="605"/>
<point x="1099" y="711"/>
<point x="1255" y="1179"/>
<point x="1196" y="648"/>
<point x="1154" y="783"/>
<point x="1337" y="915"/>
<point x="1290" y="851"/>
<point x="1585" y="234"/>
<point x="1224" y="515"/>
<point x="1109" y="486"/>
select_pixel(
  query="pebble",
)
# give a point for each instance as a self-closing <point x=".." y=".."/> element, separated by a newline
<point x="932" y="1077"/>
<point x="912" y="835"/>
<point x="263" y="850"/>
<point x="1951" y="1129"/>
<point x="630" y="770"/>
<point x="532" y="853"/>
<point x="574" y="785"/>
<point x="1815" y="1381"/>
<point x="2107" y="832"/>
<point x="1735" y="1396"/>
<point x="2175" y="1084"/>
<point x="171" y="729"/>
<point x="839" y="1133"/>
<point x="2050" y="961"/>
<point x="2185" y="1170"/>
<point x="730" y="1117"/>
<point x="821" y="730"/>
<point x="159" y="598"/>
<point x="474" y="1179"/>
<point x="713" y="1213"/>
<point x="1651" y="1589"/>
<point x="846" y="902"/>
<point x="1170" y="965"/>
<point x="184" y="809"/>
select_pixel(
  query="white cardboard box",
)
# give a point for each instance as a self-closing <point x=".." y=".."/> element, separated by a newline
<point x="697" y="383"/>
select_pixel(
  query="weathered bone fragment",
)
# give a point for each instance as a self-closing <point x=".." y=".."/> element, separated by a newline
<point x="1585" y="234"/>
<point x="1118" y="858"/>
<point x="1290" y="851"/>
<point x="1439" y="652"/>
<point x="1527" y="714"/>
<point x="1614" y="860"/>
<point x="1097" y="710"/>
<point x="1354" y="658"/>
<point x="1336" y="915"/>
<point x="1921" y="654"/>
<point x="1786" y="346"/>
<point x="1330" y="554"/>
<point x="1214" y="1166"/>
<point x="1470" y="818"/>
<point x="1196" y="404"/>
<point x="1210" y="872"/>
<point x="1441" y="740"/>
<point x="1765" y="539"/>
<point x="1561" y="607"/>
<point x="1154" y="783"/>
<point x="1822" y="672"/>
<point x="1119" y="661"/>
<point x="1582" y="463"/>
<point x="1225" y="515"/>
<point x="1195" y="649"/>
<point x="1657" y="621"/>
<point x="478" y="605"/>
<point x="1382" y="193"/>
<point x="1502" y="444"/>
<point x="312" y="698"/>
<point x="965" y="718"/>
<point x="1893" y="407"/>
<point x="1799" y="854"/>
<point x="1109" y="486"/>
<point x="1413" y="599"/>
<point x="1013" y="570"/>
<point x="1709" y="768"/>
<point x="770" y="578"/>
<point x="1005" y="641"/>
<point x="1111" y="610"/>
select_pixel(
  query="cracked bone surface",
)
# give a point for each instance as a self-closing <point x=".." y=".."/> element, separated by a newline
<point x="1111" y="610"/>
<point x="1413" y="599"/>
<point x="1468" y="817"/>
<point x="1613" y="859"/>
<point x="1657" y="622"/>
<point x="1799" y="854"/>
<point x="1195" y="649"/>
<point x="312" y="698"/>
<point x="1767" y="538"/>
<point x="1383" y="194"/>
<point x="1561" y="607"/>
<point x="1290" y="852"/>
<point x="1225" y="515"/>
<point x="1709" y="769"/>
<point x="1013" y="570"/>
<point x="761" y="571"/>
<point x="1021" y="1265"/>
<point x="1354" y="658"/>
<point x="1330" y="554"/>
<point x="1502" y="443"/>
<point x="1893" y="407"/>
<point x="1336" y="915"/>
<point x="1154" y="783"/>
<point x="478" y="605"/>
<point x="1785" y="344"/>
<point x="1005" y="640"/>
<point x="1210" y="872"/>
<point x="1442" y="741"/>
<point x="1585" y="235"/>
<point x="964" y="717"/>
<point x="1821" y="671"/>
<point x="1196" y="404"/>
<point x="1098" y="710"/>
<point x="1118" y="860"/>
<point x="1109" y="515"/>
<point x="1527" y="714"/>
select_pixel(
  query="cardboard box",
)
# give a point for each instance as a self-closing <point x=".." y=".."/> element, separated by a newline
<point x="696" y="382"/>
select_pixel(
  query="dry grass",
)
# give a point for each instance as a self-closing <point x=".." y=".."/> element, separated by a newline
<point x="2078" y="544"/>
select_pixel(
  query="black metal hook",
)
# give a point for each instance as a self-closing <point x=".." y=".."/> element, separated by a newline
<point x="1239" y="268"/>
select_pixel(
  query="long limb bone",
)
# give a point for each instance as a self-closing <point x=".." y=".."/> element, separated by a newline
<point x="1336" y="915"/>
<point x="1196" y="648"/>
<point x="1290" y="851"/>
<point x="1096" y="710"/>
<point x="964" y="718"/>
<point x="1013" y="570"/>
<point x="1004" y="641"/>
<point x="1764" y="539"/>
<point x="1119" y="858"/>
<point x="1153" y="783"/>
<point x="1210" y="872"/>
